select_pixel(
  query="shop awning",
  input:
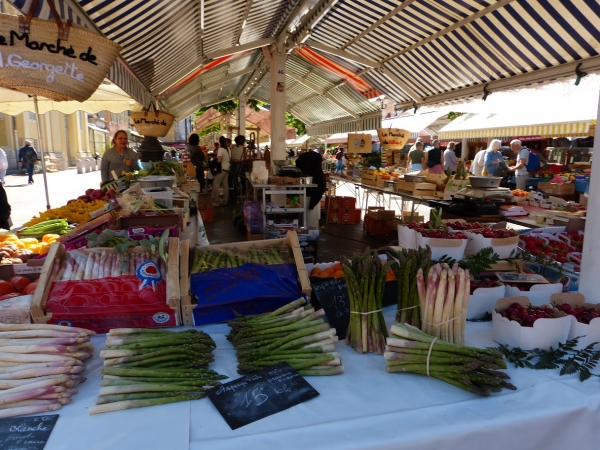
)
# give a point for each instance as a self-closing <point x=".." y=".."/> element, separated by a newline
<point x="342" y="138"/>
<point x="507" y="125"/>
<point x="413" y="123"/>
<point x="98" y="129"/>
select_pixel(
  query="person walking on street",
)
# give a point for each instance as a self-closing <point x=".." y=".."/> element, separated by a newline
<point x="28" y="156"/>
<point x="221" y="179"/>
<point x="197" y="158"/>
<point x="450" y="159"/>
<point x="520" y="169"/>
<point x="3" y="165"/>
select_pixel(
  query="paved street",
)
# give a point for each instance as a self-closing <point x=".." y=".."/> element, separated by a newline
<point x="27" y="201"/>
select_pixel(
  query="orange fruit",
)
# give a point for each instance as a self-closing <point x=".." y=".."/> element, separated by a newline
<point x="338" y="274"/>
<point x="315" y="272"/>
<point x="337" y="266"/>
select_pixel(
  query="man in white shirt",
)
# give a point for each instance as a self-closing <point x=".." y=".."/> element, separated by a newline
<point x="478" y="163"/>
<point x="222" y="179"/>
<point x="522" y="156"/>
<point x="450" y="159"/>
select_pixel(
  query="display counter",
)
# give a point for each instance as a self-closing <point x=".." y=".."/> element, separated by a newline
<point x="365" y="408"/>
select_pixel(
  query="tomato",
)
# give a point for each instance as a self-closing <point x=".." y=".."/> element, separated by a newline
<point x="6" y="288"/>
<point x="30" y="288"/>
<point x="19" y="282"/>
<point x="11" y="295"/>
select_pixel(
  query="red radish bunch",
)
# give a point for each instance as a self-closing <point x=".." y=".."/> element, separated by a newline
<point x="16" y="286"/>
<point x="581" y="313"/>
<point x="527" y="315"/>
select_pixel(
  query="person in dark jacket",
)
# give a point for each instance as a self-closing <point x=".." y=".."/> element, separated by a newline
<point x="28" y="157"/>
<point x="311" y="164"/>
<point x="4" y="209"/>
<point x="197" y="158"/>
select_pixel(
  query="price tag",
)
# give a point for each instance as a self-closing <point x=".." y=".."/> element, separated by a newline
<point x="26" y="433"/>
<point x="265" y="392"/>
<point x="332" y="295"/>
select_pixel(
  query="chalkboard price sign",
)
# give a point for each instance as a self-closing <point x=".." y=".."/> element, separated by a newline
<point x="332" y="295"/>
<point x="26" y="433"/>
<point x="261" y="394"/>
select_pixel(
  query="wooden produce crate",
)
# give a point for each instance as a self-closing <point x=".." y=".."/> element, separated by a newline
<point x="38" y="309"/>
<point x="291" y="240"/>
<point x="77" y="237"/>
<point x="370" y="179"/>
<point x="422" y="189"/>
<point x="556" y="188"/>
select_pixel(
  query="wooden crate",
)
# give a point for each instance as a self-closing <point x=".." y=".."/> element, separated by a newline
<point x="556" y="188"/>
<point x="291" y="240"/>
<point x="57" y="250"/>
<point x="416" y="188"/>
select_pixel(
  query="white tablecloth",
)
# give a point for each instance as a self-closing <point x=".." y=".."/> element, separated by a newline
<point x="365" y="408"/>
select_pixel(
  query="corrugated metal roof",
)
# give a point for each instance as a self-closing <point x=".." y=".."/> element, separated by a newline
<point x="421" y="51"/>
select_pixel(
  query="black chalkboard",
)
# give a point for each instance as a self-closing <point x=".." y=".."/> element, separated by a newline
<point x="261" y="394"/>
<point x="331" y="294"/>
<point x="26" y="433"/>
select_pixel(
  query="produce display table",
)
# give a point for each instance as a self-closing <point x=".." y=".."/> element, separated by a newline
<point x="364" y="408"/>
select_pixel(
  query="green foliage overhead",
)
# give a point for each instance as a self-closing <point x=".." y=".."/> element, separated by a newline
<point x="225" y="107"/>
<point x="293" y="121"/>
<point x="214" y="128"/>
<point x="256" y="104"/>
<point x="453" y="115"/>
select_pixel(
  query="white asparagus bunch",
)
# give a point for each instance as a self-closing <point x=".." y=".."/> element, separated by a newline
<point x="40" y="366"/>
<point x="95" y="265"/>
<point x="444" y="302"/>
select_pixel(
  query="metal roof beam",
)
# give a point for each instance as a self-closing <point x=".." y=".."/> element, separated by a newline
<point x="323" y="93"/>
<point x="311" y="20"/>
<point x="239" y="48"/>
<point x="240" y="30"/>
<point x="564" y="70"/>
<point x="402" y="85"/>
<point x="343" y="54"/>
<point x="371" y="27"/>
<point x="258" y="84"/>
<point x="227" y="78"/>
<point x="454" y="26"/>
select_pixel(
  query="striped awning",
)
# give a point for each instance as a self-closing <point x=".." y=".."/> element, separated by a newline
<point x="511" y="125"/>
<point x="416" y="52"/>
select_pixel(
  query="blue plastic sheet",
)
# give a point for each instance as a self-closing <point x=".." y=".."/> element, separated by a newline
<point x="248" y="289"/>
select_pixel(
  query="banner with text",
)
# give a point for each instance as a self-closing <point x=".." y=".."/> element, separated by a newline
<point x="39" y="61"/>
<point x="393" y="138"/>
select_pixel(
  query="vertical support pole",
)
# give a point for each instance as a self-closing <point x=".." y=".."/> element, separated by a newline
<point x="41" y="148"/>
<point x="278" y="106"/>
<point x="242" y="117"/>
<point x="589" y="281"/>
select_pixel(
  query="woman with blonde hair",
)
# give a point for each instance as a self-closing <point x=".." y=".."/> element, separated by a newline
<point x="119" y="158"/>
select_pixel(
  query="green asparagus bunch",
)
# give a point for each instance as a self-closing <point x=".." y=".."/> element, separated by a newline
<point x="405" y="265"/>
<point x="294" y="333"/>
<point x="145" y="367"/>
<point x="204" y="260"/>
<point x="473" y="369"/>
<point x="365" y="279"/>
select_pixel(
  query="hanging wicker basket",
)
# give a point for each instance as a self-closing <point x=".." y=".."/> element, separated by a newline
<point x="56" y="60"/>
<point x="152" y="122"/>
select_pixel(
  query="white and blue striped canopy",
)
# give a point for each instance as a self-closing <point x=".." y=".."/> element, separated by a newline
<point x="416" y="52"/>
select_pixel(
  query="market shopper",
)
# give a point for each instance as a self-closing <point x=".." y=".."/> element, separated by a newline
<point x="4" y="209"/>
<point x="3" y="165"/>
<point x="339" y="156"/>
<point x="416" y="157"/>
<point x="494" y="164"/>
<point x="238" y="155"/>
<point x="267" y="156"/>
<point x="119" y="158"/>
<point x="433" y="158"/>
<point x="197" y="158"/>
<point x="520" y="168"/>
<point x="478" y="163"/>
<point x="221" y="178"/>
<point x="450" y="159"/>
<point x="28" y="157"/>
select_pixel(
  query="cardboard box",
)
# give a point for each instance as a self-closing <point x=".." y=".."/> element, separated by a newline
<point x="348" y="202"/>
<point x="484" y="301"/>
<point x="538" y="294"/>
<point x="204" y="201"/>
<point x="453" y="187"/>
<point x="504" y="247"/>
<point x="194" y="314"/>
<point x="168" y="316"/>
<point x="587" y="333"/>
<point x="192" y="186"/>
<point x="151" y="224"/>
<point x="77" y="237"/>
<point x="208" y="215"/>
<point x="544" y="334"/>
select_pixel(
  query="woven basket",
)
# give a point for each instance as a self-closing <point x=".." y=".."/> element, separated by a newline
<point x="53" y="75"/>
<point x="152" y="122"/>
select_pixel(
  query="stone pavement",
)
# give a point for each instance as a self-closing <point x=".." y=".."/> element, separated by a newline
<point x="27" y="201"/>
